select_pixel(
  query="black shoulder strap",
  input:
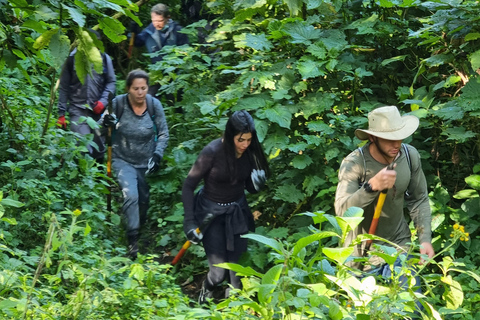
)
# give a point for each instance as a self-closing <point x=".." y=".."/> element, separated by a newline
<point x="151" y="112"/>
<point x="362" y="180"/>
<point x="404" y="146"/>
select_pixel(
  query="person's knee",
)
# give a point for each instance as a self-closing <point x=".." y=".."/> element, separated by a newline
<point x="216" y="276"/>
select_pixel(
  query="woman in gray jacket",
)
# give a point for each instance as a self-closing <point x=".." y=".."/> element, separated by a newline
<point x="139" y="140"/>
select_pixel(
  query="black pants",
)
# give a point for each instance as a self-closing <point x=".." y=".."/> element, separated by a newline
<point x="215" y="244"/>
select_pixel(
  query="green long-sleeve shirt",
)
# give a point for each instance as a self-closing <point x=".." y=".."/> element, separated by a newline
<point x="392" y="224"/>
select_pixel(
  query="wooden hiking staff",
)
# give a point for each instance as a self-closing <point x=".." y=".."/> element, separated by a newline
<point x="130" y="44"/>
<point x="109" y="154"/>
<point x="188" y="243"/>
<point x="378" y="211"/>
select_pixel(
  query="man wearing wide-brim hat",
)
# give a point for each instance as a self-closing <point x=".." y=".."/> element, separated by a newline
<point x="363" y="175"/>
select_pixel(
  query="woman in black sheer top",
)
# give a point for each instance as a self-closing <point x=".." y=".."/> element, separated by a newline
<point x="227" y="166"/>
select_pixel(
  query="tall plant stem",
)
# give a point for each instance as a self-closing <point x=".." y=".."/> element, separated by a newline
<point x="50" y="104"/>
<point x="41" y="263"/>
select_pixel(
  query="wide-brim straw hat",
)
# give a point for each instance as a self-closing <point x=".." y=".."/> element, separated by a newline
<point x="387" y="123"/>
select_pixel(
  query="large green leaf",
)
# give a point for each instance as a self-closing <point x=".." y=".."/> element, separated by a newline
<point x="77" y="16"/>
<point x="279" y="114"/>
<point x="475" y="60"/>
<point x="473" y="181"/>
<point x="272" y="275"/>
<point x="310" y="68"/>
<point x="459" y="134"/>
<point x="469" y="99"/>
<point x="301" y="161"/>
<point x="11" y="203"/>
<point x="288" y="193"/>
<point x="338" y="254"/>
<point x="320" y="126"/>
<point x="240" y="270"/>
<point x="258" y="42"/>
<point x="272" y="243"/>
<point x="59" y="47"/>
<point x="365" y="26"/>
<point x="302" y="33"/>
<point x="113" y="29"/>
<point x="305" y="241"/>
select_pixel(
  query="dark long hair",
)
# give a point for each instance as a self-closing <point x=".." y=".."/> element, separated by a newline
<point x="242" y="122"/>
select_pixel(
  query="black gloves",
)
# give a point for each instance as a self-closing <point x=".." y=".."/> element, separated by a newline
<point x="110" y="120"/>
<point x="193" y="236"/>
<point x="258" y="178"/>
<point x="153" y="164"/>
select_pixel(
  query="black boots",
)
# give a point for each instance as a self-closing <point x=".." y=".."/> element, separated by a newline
<point x="132" y="237"/>
<point x="204" y="294"/>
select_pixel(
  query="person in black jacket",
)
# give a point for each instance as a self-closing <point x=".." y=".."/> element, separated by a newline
<point x="227" y="166"/>
<point x="161" y="32"/>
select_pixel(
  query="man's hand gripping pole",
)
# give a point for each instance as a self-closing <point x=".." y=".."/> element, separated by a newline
<point x="378" y="210"/>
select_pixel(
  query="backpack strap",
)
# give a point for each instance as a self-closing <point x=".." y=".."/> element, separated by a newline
<point x="362" y="179"/>
<point x="407" y="155"/>
<point x="150" y="110"/>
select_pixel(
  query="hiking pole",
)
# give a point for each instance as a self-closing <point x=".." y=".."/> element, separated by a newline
<point x="109" y="154"/>
<point x="130" y="44"/>
<point x="187" y="244"/>
<point x="378" y="211"/>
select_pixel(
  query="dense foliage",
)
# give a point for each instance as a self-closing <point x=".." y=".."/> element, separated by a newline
<point x="308" y="71"/>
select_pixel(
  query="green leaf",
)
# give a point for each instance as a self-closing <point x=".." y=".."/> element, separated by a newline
<point x="473" y="181"/>
<point x="475" y="59"/>
<point x="113" y="29"/>
<point x="309" y="68"/>
<point x="338" y="254"/>
<point x="279" y="114"/>
<point x="272" y="243"/>
<point x="365" y="26"/>
<point x="317" y="50"/>
<point x="459" y="134"/>
<point x="206" y="107"/>
<point x="44" y="39"/>
<point x="272" y="275"/>
<point x="301" y="161"/>
<point x="8" y="304"/>
<point x="137" y="272"/>
<point x="301" y="33"/>
<point x="11" y="221"/>
<point x="240" y="270"/>
<point x="289" y="193"/>
<point x="453" y="294"/>
<point x="88" y="229"/>
<point x="439" y="59"/>
<point x="77" y="16"/>
<point x="394" y="59"/>
<point x="305" y="241"/>
<point x="320" y="126"/>
<point x="258" y="42"/>
<point x="59" y="48"/>
<point x="468" y="100"/>
<point x="11" y="203"/>
<point x="466" y="194"/>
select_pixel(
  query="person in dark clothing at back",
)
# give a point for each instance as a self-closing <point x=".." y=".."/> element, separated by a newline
<point x="228" y="166"/>
<point x="85" y="100"/>
<point x="161" y="32"/>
